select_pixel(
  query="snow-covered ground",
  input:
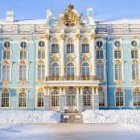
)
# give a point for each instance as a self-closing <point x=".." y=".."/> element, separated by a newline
<point x="111" y="116"/>
<point x="71" y="132"/>
<point x="21" y="117"/>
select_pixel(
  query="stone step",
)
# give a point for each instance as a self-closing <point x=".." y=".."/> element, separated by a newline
<point x="71" y="118"/>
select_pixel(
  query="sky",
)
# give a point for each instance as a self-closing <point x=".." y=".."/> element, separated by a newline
<point x="103" y="9"/>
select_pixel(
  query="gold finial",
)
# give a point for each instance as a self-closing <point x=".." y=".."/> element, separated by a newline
<point x="70" y="6"/>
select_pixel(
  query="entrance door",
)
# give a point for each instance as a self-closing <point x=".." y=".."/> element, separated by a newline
<point x="71" y="100"/>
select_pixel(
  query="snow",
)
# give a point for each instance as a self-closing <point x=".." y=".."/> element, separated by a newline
<point x="111" y="116"/>
<point x="15" y="116"/>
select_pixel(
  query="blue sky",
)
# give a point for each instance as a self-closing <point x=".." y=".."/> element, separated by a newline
<point x="103" y="9"/>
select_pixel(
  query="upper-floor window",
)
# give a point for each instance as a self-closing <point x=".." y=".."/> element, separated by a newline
<point x="40" y="72"/>
<point x="23" y="72"/>
<point x="135" y="71"/>
<point x="6" y="44"/>
<point x="85" y="48"/>
<point x="134" y="54"/>
<point x="23" y="44"/>
<point x="70" y="70"/>
<point x="6" y="54"/>
<point x="134" y="43"/>
<point x="6" y="72"/>
<point x="118" y="54"/>
<point x="85" y="69"/>
<point x="23" y="54"/>
<point x="41" y="43"/>
<point x="41" y="54"/>
<point x="99" y="44"/>
<point x="55" y="70"/>
<point x="118" y="72"/>
<point x="55" y="48"/>
<point x="117" y="44"/>
<point x="99" y="54"/>
<point x="70" y="48"/>
<point x="100" y="71"/>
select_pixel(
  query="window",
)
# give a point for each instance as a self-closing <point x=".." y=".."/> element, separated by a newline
<point x="134" y="43"/>
<point x="6" y="54"/>
<point x="117" y="44"/>
<point x="22" y="100"/>
<point x="40" y="99"/>
<point x="71" y="98"/>
<point x="23" y="72"/>
<point x="55" y="99"/>
<point x="101" y="98"/>
<point x="23" y="54"/>
<point x="119" y="98"/>
<point x="100" y="71"/>
<point x="41" y="54"/>
<point x="23" y="44"/>
<point x="55" y="48"/>
<point x="87" y="98"/>
<point x="41" y="43"/>
<point x="135" y="71"/>
<point x="6" y="72"/>
<point x="55" y="70"/>
<point x="85" y="48"/>
<point x="99" y="44"/>
<point x="136" y="98"/>
<point x="40" y="71"/>
<point x="99" y="54"/>
<point x="5" y="99"/>
<point x="70" y="70"/>
<point x="70" y="48"/>
<point x="85" y="70"/>
<point x="134" y="54"/>
<point x="118" y="71"/>
<point x="117" y="54"/>
<point x="6" y="44"/>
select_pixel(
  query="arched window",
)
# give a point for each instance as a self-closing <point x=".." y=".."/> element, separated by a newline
<point x="118" y="72"/>
<point x="100" y="71"/>
<point x="22" y="99"/>
<point x="6" y="72"/>
<point x="136" y="98"/>
<point x="134" y="54"/>
<point x="55" y="99"/>
<point x="41" y="53"/>
<point x="135" y="71"/>
<point x="85" y="70"/>
<point x="55" y="70"/>
<point x="40" y="99"/>
<point x="71" y="98"/>
<point x="86" y="97"/>
<point x="70" y="70"/>
<point x="23" y="72"/>
<point x="41" y="71"/>
<point x="5" y="99"/>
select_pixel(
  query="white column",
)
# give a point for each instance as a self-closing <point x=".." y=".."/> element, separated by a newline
<point x="47" y="100"/>
<point x="92" y="53"/>
<point x="47" y="55"/>
<point x="95" y="98"/>
<point x="77" y="52"/>
<point x="62" y="53"/>
<point x="77" y="93"/>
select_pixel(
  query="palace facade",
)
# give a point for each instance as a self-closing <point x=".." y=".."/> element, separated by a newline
<point x="69" y="63"/>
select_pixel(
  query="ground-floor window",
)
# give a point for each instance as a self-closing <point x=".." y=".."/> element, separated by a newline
<point x="55" y="98"/>
<point x="71" y="98"/>
<point x="136" y="98"/>
<point x="22" y="100"/>
<point x="5" y="100"/>
<point x="119" y="99"/>
<point x="86" y="98"/>
<point x="40" y="99"/>
<point x="101" y="98"/>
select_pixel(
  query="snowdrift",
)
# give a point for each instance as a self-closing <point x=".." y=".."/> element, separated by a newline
<point x="111" y="116"/>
